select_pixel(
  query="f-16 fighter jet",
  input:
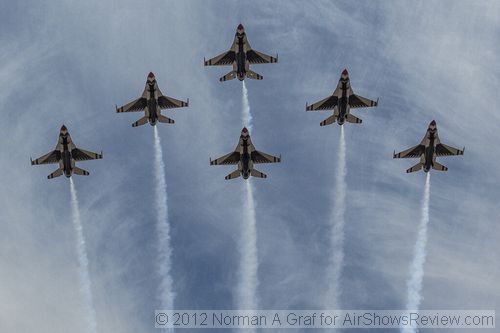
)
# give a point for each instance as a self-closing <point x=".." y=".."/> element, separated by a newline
<point x="151" y="103"/>
<point x="66" y="154"/>
<point x="430" y="148"/>
<point x="341" y="102"/>
<point x="240" y="56"/>
<point x="245" y="156"/>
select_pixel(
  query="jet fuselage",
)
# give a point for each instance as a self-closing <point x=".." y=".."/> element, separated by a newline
<point x="429" y="150"/>
<point x="343" y="101"/>
<point x="152" y="104"/>
<point x="241" y="58"/>
<point x="245" y="160"/>
<point x="66" y="159"/>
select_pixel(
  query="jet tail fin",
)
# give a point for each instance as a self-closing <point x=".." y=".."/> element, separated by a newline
<point x="81" y="172"/>
<point x="352" y="119"/>
<point x="439" y="167"/>
<point x="258" y="174"/>
<point x="232" y="175"/>
<point x="140" y="122"/>
<point x="328" y="121"/>
<point x="166" y="120"/>
<point x="414" y="168"/>
<point x="229" y="76"/>
<point x="55" y="174"/>
<point x="253" y="75"/>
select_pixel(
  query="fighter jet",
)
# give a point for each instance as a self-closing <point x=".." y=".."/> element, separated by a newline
<point x="430" y="148"/>
<point x="66" y="154"/>
<point x="152" y="102"/>
<point x="341" y="102"/>
<point x="240" y="56"/>
<point x="245" y="156"/>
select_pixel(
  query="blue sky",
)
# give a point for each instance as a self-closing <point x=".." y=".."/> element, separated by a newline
<point x="70" y="62"/>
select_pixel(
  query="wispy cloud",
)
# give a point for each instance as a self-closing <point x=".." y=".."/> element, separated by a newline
<point x="72" y="62"/>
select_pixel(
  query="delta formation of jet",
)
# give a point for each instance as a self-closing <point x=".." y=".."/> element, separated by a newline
<point x="240" y="56"/>
<point x="245" y="155"/>
<point x="66" y="154"/>
<point x="430" y="148"/>
<point x="341" y="102"/>
<point x="151" y="103"/>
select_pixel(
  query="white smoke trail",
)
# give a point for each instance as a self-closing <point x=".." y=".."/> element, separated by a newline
<point x="334" y="272"/>
<point x="249" y="280"/>
<point x="166" y="294"/>
<point x="246" y="115"/>
<point x="83" y="262"/>
<point x="414" y="283"/>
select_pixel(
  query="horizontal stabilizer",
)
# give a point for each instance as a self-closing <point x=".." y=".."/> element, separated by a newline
<point x="81" y="172"/>
<point x="166" y="120"/>
<point x="234" y="174"/>
<point x="140" y="122"/>
<point x="439" y="167"/>
<point x="258" y="174"/>
<point x="229" y="76"/>
<point x="352" y="119"/>
<point x="253" y="75"/>
<point x="414" y="168"/>
<point x="328" y="121"/>
<point x="55" y="174"/>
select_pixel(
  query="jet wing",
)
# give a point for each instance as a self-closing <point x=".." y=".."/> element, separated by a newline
<point x="224" y="59"/>
<point x="231" y="158"/>
<point x="260" y="157"/>
<point x="444" y="150"/>
<point x="50" y="158"/>
<point x="256" y="57"/>
<point x="134" y="106"/>
<point x="84" y="155"/>
<point x="165" y="102"/>
<point x="412" y="152"/>
<point x="356" y="101"/>
<point x="325" y="104"/>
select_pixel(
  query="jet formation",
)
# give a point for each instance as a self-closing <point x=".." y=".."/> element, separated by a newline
<point x="240" y="56"/>
<point x="66" y="154"/>
<point x="427" y="150"/>
<point x="245" y="155"/>
<point x="151" y="103"/>
<point x="341" y="102"/>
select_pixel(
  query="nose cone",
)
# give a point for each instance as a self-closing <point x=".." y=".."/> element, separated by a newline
<point x="240" y="27"/>
<point x="64" y="129"/>
<point x="432" y="124"/>
<point x="345" y="72"/>
<point x="151" y="76"/>
<point x="244" y="131"/>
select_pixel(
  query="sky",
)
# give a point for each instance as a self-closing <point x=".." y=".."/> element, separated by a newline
<point x="70" y="62"/>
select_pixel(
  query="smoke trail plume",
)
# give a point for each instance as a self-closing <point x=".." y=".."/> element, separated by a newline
<point x="414" y="283"/>
<point x="83" y="262"/>
<point x="247" y="289"/>
<point x="334" y="272"/>
<point x="246" y="115"/>
<point x="249" y="281"/>
<point x="166" y="294"/>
